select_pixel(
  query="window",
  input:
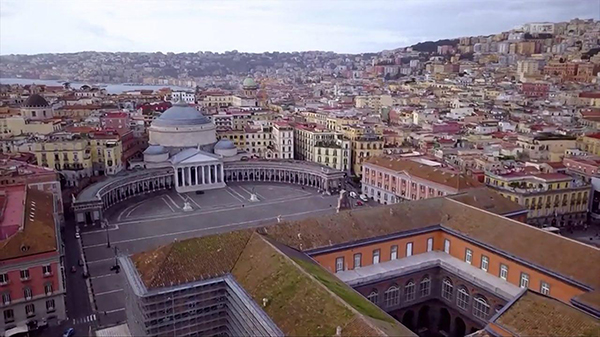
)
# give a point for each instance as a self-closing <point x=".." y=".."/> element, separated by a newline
<point x="524" y="280"/>
<point x="503" y="272"/>
<point x="447" y="246"/>
<point x="545" y="288"/>
<point x="392" y="296"/>
<point x="429" y="244"/>
<point x="480" y="307"/>
<point x="394" y="252"/>
<point x="447" y="289"/>
<point x="25" y="274"/>
<point x="339" y="264"/>
<point x="50" y="307"/>
<point x="9" y="316"/>
<point x="47" y="270"/>
<point x="30" y="310"/>
<point x="357" y="260"/>
<point x="3" y="279"/>
<point x="376" y="253"/>
<point x="409" y="249"/>
<point x="409" y="291"/>
<point x="462" y="298"/>
<point x="468" y="256"/>
<point x="425" y="286"/>
<point x="48" y="288"/>
<point x="6" y="298"/>
<point x="373" y="296"/>
<point x="484" y="263"/>
<point x="27" y="293"/>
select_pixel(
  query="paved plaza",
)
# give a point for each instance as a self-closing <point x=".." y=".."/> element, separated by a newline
<point x="149" y="221"/>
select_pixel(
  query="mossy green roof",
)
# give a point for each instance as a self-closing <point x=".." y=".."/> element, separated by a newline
<point x="304" y="299"/>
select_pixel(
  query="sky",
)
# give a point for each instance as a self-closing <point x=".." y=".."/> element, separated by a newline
<point x="345" y="26"/>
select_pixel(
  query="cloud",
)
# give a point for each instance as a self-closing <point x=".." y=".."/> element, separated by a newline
<point x="251" y="25"/>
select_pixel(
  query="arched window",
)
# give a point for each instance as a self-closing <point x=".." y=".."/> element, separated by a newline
<point x="392" y="296"/>
<point x="462" y="298"/>
<point x="481" y="308"/>
<point x="425" y="286"/>
<point x="409" y="291"/>
<point x="373" y="296"/>
<point x="447" y="289"/>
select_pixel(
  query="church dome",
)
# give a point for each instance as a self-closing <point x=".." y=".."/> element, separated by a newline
<point x="224" y="144"/>
<point x="249" y="83"/>
<point x="181" y="115"/>
<point x="155" y="149"/>
<point x="35" y="101"/>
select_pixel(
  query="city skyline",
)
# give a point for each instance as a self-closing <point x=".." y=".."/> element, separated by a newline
<point x="351" y="27"/>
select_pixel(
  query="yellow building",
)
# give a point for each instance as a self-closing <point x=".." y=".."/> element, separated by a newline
<point x="374" y="102"/>
<point x="107" y="153"/>
<point x="18" y="125"/>
<point x="336" y="123"/>
<point x="366" y="142"/>
<point x="547" y="147"/>
<point x="316" y="117"/>
<point x="553" y="199"/>
<point x="590" y="143"/>
<point x="255" y="138"/>
<point x="78" y="155"/>
<point x="306" y="136"/>
<point x="334" y="153"/>
<point x="216" y="99"/>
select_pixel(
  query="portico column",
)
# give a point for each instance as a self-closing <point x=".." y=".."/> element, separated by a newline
<point x="210" y="174"/>
<point x="199" y="174"/>
<point x="203" y="174"/>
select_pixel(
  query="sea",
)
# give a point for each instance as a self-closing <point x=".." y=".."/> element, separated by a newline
<point x="110" y="88"/>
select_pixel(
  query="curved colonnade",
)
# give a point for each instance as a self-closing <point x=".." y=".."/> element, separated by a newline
<point x="91" y="203"/>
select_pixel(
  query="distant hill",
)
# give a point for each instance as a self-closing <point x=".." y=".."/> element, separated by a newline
<point x="431" y="46"/>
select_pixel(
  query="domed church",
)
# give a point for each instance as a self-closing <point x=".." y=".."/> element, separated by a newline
<point x="186" y="140"/>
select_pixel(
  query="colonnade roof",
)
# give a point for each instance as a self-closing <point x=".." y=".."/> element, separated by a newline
<point x="90" y="193"/>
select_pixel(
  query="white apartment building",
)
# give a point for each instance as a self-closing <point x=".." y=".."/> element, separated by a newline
<point x="283" y="141"/>
<point x="184" y="96"/>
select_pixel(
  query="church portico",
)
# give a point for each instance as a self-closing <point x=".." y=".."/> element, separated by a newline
<point x="199" y="177"/>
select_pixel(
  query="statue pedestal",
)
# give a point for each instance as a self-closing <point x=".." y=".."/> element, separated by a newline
<point x="254" y="198"/>
<point x="187" y="207"/>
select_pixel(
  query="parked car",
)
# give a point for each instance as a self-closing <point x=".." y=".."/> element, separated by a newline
<point x="77" y="236"/>
<point x="359" y="203"/>
<point x="69" y="332"/>
<point x="353" y="194"/>
<point x="364" y="198"/>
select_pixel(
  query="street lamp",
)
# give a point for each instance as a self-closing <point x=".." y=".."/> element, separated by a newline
<point x="107" y="236"/>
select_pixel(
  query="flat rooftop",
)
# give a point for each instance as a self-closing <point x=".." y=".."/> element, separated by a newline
<point x="12" y="203"/>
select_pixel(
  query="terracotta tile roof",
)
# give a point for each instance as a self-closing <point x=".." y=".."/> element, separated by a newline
<point x="441" y="176"/>
<point x="487" y="199"/>
<point x="354" y="225"/>
<point x="537" y="315"/>
<point x="39" y="230"/>
<point x="526" y="242"/>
